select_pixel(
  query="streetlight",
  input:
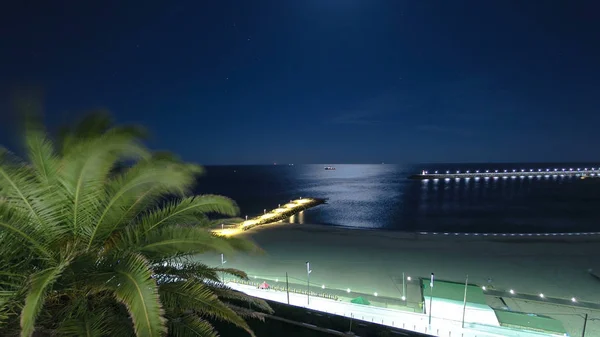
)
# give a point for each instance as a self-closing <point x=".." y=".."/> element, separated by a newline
<point x="431" y="297"/>
<point x="404" y="286"/>
<point x="222" y="263"/>
<point x="464" y="302"/>
<point x="308" y="282"/>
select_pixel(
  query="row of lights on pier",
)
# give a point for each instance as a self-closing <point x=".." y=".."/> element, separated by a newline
<point x="517" y="171"/>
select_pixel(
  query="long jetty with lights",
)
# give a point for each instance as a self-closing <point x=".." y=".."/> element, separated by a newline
<point x="591" y="172"/>
<point x="280" y="213"/>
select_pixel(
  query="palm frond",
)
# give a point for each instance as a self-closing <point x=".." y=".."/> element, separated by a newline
<point x="94" y="124"/>
<point x="83" y="314"/>
<point x="134" y="286"/>
<point x="11" y="280"/>
<point x="247" y="312"/>
<point x="187" y="211"/>
<point x="191" y="326"/>
<point x="21" y="191"/>
<point x="137" y="188"/>
<point x="185" y="271"/>
<point x="40" y="150"/>
<point x="196" y="296"/>
<point x="90" y="325"/>
<point x="86" y="169"/>
<point x="226" y="293"/>
<point x="233" y="272"/>
<point x="96" y="235"/>
<point x="18" y="229"/>
<point x="98" y="321"/>
<point x="172" y="240"/>
<point x="225" y="221"/>
<point x="38" y="287"/>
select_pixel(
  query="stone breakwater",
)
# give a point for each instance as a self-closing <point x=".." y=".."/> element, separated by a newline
<point x="280" y="213"/>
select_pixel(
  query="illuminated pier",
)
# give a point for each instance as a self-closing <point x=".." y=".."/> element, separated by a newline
<point x="280" y="213"/>
<point x="592" y="172"/>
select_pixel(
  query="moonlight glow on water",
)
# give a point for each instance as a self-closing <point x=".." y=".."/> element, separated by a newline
<point x="382" y="197"/>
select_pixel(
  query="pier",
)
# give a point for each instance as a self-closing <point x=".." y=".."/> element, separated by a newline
<point x="280" y="213"/>
<point x="591" y="172"/>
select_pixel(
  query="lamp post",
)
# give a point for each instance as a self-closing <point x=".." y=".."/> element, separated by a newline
<point x="287" y="287"/>
<point x="222" y="263"/>
<point x="465" y="302"/>
<point x="308" y="271"/>
<point x="403" y="287"/>
<point x="430" y="297"/>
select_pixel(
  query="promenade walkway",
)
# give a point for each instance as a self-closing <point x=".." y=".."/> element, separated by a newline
<point x="417" y="322"/>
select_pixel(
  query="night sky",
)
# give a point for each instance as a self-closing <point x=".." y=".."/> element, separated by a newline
<point x="319" y="81"/>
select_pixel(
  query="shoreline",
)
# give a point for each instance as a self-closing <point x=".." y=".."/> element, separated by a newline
<point x="466" y="236"/>
<point x="372" y="260"/>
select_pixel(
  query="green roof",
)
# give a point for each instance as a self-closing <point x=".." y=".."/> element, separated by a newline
<point x="529" y="321"/>
<point x="360" y="300"/>
<point x="454" y="291"/>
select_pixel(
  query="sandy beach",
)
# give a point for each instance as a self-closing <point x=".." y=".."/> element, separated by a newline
<point x="373" y="261"/>
<point x="369" y="261"/>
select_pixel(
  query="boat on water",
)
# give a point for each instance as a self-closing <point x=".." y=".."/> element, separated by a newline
<point x="329" y="168"/>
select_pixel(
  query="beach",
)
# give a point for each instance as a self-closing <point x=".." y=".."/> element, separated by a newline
<point x="373" y="261"/>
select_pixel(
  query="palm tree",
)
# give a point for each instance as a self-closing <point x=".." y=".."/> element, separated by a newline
<point x="98" y="237"/>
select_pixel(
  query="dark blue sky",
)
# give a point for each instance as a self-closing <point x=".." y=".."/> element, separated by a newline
<point x="320" y="81"/>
